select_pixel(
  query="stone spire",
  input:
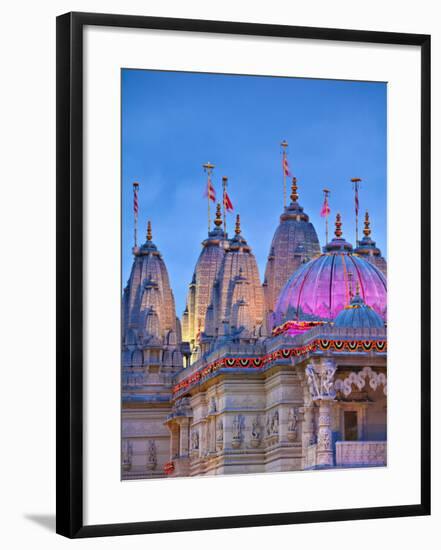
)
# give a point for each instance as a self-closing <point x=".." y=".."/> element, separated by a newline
<point x="201" y="287"/>
<point x="368" y="250"/>
<point x="148" y="294"/>
<point x="295" y="242"/>
<point x="237" y="305"/>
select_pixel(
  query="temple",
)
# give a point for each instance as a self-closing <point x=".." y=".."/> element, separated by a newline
<point x="286" y="375"/>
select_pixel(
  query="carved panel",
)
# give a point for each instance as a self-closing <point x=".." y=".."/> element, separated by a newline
<point x="359" y="380"/>
<point x="366" y="453"/>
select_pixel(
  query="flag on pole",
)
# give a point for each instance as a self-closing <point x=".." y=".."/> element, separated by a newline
<point x="325" y="211"/>
<point x="285" y="166"/>
<point x="210" y="191"/>
<point x="135" y="199"/>
<point x="227" y="203"/>
<point x="356" y="201"/>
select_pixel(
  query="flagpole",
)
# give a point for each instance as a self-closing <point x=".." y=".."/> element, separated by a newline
<point x="208" y="169"/>
<point x="135" y="212"/>
<point x="326" y="192"/>
<point x="284" y="145"/>
<point x="356" y="184"/>
<point x="224" y="190"/>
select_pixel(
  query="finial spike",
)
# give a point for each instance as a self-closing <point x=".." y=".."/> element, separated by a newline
<point x="218" y="218"/>
<point x="237" y="230"/>
<point x="367" y="224"/>
<point x="338" y="232"/>
<point x="149" y="231"/>
<point x="294" y="194"/>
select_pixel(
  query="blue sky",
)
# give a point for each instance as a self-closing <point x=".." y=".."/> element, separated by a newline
<point x="173" y="122"/>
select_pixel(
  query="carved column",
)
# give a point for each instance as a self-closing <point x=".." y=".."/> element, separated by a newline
<point x="184" y="437"/>
<point x="174" y="440"/>
<point x="307" y="425"/>
<point x="320" y="380"/>
<point x="324" y="439"/>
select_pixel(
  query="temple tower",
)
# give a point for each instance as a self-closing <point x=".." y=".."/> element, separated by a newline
<point x="151" y="355"/>
<point x="294" y="243"/>
<point x="237" y="305"/>
<point x="201" y="287"/>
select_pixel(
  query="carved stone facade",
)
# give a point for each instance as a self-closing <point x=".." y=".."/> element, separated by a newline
<point x="289" y="417"/>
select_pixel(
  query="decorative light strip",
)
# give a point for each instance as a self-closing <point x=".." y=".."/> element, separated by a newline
<point x="296" y="327"/>
<point x="253" y="363"/>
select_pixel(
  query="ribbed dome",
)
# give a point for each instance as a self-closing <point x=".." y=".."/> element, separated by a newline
<point x="295" y="241"/>
<point x="358" y="315"/>
<point x="201" y="287"/>
<point x="321" y="288"/>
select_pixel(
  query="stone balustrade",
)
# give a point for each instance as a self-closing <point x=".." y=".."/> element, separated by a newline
<point x="361" y="453"/>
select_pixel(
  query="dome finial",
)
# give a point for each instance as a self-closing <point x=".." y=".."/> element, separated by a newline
<point x="218" y="218"/>
<point x="149" y="231"/>
<point x="367" y="223"/>
<point x="294" y="194"/>
<point x="338" y="224"/>
<point x="237" y="230"/>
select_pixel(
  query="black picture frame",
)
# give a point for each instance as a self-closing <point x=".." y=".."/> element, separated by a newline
<point x="69" y="294"/>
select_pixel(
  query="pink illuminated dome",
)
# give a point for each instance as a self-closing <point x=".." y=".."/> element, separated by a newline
<point x="324" y="286"/>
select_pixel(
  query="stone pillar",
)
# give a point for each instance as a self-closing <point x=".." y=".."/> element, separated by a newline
<point x="308" y="419"/>
<point x="324" y="440"/>
<point x="184" y="437"/>
<point x="320" y="380"/>
<point x="174" y="441"/>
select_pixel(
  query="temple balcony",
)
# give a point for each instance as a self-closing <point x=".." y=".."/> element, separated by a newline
<point x="327" y="332"/>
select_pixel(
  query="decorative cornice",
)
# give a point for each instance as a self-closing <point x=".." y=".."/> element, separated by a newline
<point x="262" y="363"/>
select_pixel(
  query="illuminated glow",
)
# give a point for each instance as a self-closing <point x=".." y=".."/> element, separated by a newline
<point x="320" y="289"/>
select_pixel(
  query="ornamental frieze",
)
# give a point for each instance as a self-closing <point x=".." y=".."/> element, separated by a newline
<point x="359" y="380"/>
<point x="257" y="363"/>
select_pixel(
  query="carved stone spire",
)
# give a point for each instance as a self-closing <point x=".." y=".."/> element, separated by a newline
<point x="294" y="242"/>
<point x="149" y="231"/>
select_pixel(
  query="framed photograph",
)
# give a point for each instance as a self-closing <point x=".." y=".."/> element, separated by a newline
<point x="243" y="274"/>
